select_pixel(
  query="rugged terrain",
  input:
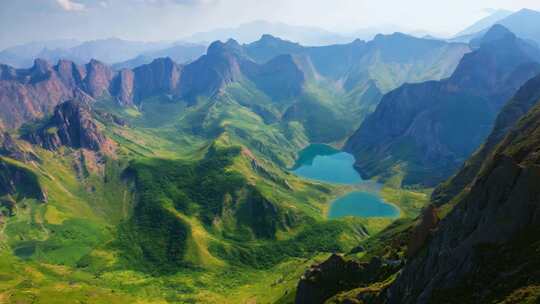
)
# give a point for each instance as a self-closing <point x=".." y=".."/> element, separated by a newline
<point x="425" y="131"/>
<point x="169" y="182"/>
<point x="477" y="242"/>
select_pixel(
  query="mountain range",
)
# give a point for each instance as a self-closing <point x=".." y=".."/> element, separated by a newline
<point x="476" y="240"/>
<point x="463" y="248"/>
<point x="436" y="125"/>
<point x="124" y="53"/>
<point x="306" y="35"/>
<point x="524" y="23"/>
<point x="287" y="73"/>
<point x="459" y="250"/>
<point x="484" y="23"/>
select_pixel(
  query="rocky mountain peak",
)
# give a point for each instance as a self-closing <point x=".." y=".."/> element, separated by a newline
<point x="70" y="73"/>
<point x="268" y="40"/>
<point x="72" y="125"/>
<point x="221" y="48"/>
<point x="98" y="79"/>
<point x="498" y="32"/>
<point x="40" y="66"/>
<point x="40" y="70"/>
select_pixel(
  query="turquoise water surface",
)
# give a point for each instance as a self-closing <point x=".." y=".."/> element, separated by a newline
<point x="324" y="163"/>
<point x="361" y="204"/>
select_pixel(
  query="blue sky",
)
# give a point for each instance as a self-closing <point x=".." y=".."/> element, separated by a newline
<point x="26" y="20"/>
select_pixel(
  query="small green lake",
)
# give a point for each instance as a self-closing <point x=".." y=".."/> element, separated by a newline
<point x="324" y="163"/>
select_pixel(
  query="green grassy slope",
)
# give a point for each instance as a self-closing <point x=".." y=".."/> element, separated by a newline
<point x="194" y="207"/>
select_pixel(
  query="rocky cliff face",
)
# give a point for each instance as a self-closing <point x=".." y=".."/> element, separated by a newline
<point x="11" y="148"/>
<point x="427" y="130"/>
<point x="160" y="77"/>
<point x="490" y="237"/>
<point x="72" y="125"/>
<point x="28" y="94"/>
<point x="210" y="73"/>
<point x="521" y="103"/>
<point x="322" y="281"/>
<point x="98" y="79"/>
<point x="32" y="93"/>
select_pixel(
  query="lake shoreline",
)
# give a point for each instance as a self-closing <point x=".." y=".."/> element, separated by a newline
<point x="324" y="163"/>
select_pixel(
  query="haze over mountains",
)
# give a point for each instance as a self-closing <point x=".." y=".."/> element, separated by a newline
<point x="160" y="172"/>
<point x="359" y="73"/>
<point x="124" y="53"/>
<point x="436" y="125"/>
<point x="523" y="23"/>
<point x="106" y="50"/>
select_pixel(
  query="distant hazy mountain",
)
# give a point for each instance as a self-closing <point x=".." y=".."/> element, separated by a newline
<point x="23" y="55"/>
<point x="111" y="50"/>
<point x="485" y="23"/>
<point x="305" y="35"/>
<point x="249" y="32"/>
<point x="287" y="79"/>
<point x="180" y="53"/>
<point x="387" y="60"/>
<point x="524" y="23"/>
<point x="107" y="50"/>
<point x="527" y="97"/>
<point x="427" y="130"/>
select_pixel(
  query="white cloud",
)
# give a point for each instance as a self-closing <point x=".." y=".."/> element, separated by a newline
<point x="178" y="2"/>
<point x="70" y="5"/>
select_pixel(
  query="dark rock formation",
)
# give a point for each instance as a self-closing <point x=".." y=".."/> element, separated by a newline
<point x="98" y="79"/>
<point x="521" y="103"/>
<point x="490" y="236"/>
<point x="210" y="73"/>
<point x="71" y="125"/>
<point x="11" y="148"/>
<point x="428" y="222"/>
<point x="29" y="94"/>
<point x="429" y="129"/>
<point x="322" y="281"/>
<point x="159" y="77"/>
<point x="123" y="87"/>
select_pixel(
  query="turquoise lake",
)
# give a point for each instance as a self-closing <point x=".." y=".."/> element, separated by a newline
<point x="361" y="204"/>
<point x="324" y="163"/>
